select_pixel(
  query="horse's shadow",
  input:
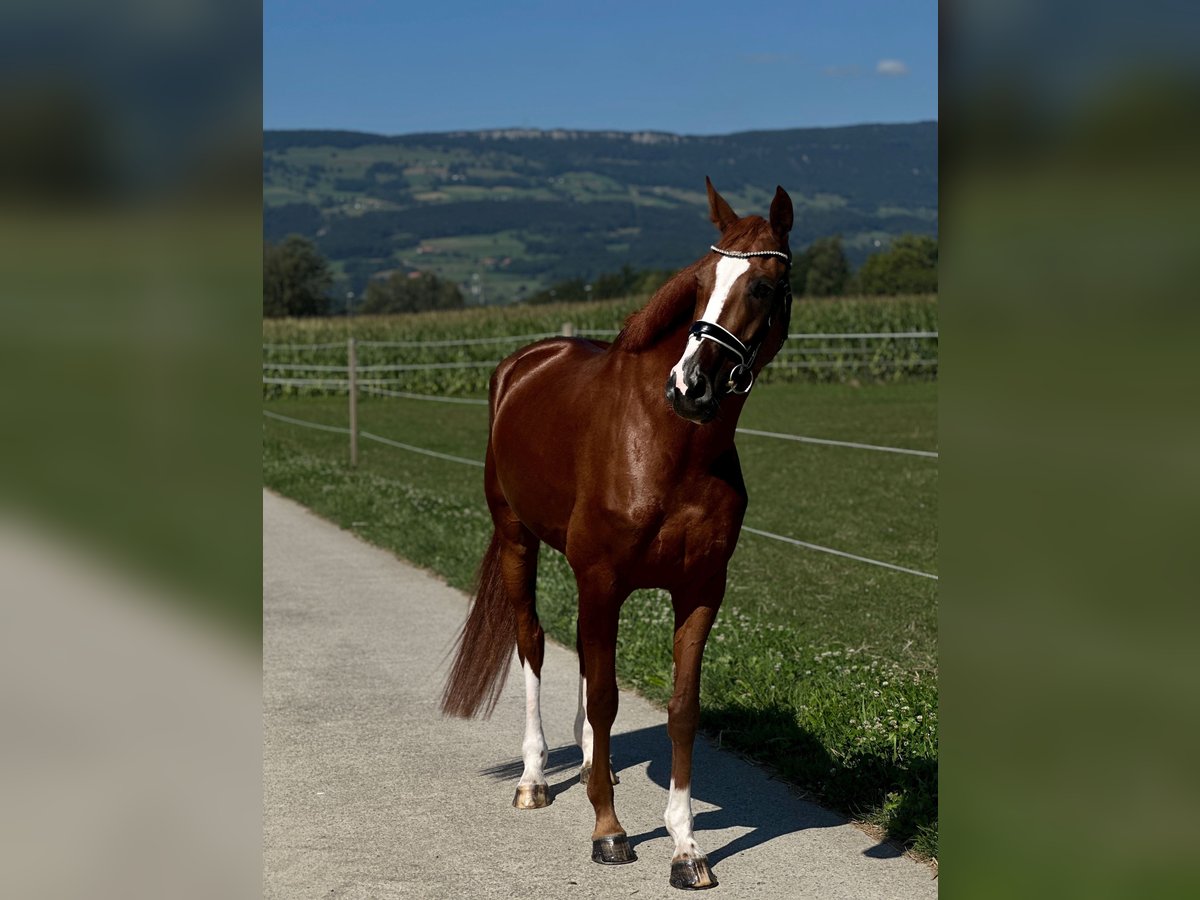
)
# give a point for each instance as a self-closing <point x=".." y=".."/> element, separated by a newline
<point x="766" y="806"/>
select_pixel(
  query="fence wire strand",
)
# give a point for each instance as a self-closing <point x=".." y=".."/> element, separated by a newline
<point x="599" y="332"/>
<point x="804" y="439"/>
<point x="304" y="423"/>
<point x="373" y="388"/>
<point x="870" y="335"/>
<point x="436" y="398"/>
<point x="819" y="548"/>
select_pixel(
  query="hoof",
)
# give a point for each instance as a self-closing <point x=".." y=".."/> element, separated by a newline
<point x="613" y="851"/>
<point x="586" y="772"/>
<point x="692" y="874"/>
<point x="532" y="796"/>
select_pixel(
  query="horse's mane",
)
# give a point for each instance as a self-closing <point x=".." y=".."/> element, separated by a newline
<point x="671" y="302"/>
<point x="669" y="305"/>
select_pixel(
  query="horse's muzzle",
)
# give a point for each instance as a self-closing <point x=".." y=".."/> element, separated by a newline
<point x="697" y="404"/>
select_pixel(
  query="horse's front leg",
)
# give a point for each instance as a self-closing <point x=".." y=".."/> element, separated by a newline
<point x="694" y="616"/>
<point x="599" y="612"/>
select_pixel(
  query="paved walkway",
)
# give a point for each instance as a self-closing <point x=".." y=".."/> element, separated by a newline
<point x="370" y="793"/>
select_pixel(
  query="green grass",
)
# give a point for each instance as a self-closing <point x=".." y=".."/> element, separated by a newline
<point x="821" y="667"/>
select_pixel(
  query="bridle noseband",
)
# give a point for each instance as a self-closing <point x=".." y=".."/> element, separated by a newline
<point x="741" y="378"/>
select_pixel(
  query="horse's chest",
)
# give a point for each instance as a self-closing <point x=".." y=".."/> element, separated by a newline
<point x="659" y="546"/>
<point x="694" y="538"/>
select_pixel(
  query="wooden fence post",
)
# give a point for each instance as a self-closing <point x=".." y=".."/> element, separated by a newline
<point x="352" y="366"/>
<point x="568" y="329"/>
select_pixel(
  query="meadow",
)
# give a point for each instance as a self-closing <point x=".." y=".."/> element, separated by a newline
<point x="821" y="667"/>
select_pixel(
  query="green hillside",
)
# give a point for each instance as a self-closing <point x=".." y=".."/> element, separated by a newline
<point x="508" y="212"/>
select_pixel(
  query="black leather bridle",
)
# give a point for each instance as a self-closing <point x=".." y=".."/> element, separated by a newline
<point x="741" y="378"/>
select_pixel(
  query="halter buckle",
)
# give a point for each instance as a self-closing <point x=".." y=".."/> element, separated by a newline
<point x="741" y="379"/>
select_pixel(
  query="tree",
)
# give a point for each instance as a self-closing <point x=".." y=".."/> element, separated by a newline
<point x="798" y="274"/>
<point x="570" y="291"/>
<point x="616" y="284"/>
<point x="296" y="279"/>
<point x="405" y="292"/>
<point x="827" y="268"/>
<point x="909" y="266"/>
<point x="628" y="282"/>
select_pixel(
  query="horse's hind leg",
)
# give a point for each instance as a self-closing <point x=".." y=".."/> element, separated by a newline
<point x="519" y="557"/>
<point x="694" y="616"/>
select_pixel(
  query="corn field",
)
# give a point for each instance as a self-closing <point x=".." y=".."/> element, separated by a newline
<point x="309" y="356"/>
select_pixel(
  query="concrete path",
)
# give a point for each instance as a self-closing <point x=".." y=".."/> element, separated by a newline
<point x="370" y="793"/>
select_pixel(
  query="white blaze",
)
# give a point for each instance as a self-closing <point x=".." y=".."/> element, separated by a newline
<point x="533" y="750"/>
<point x="679" y="821"/>
<point x="729" y="270"/>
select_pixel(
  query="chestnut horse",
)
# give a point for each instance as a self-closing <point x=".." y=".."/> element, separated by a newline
<point x="639" y="488"/>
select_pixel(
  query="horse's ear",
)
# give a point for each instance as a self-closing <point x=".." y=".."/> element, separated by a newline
<point x="719" y="211"/>
<point x="781" y="211"/>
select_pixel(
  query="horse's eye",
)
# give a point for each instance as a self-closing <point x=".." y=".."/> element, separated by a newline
<point x="761" y="291"/>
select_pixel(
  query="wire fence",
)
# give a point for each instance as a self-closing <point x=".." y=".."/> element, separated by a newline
<point x="462" y="366"/>
<point x="583" y="332"/>
<point x="435" y="398"/>
<point x="462" y="460"/>
<point x="353" y="386"/>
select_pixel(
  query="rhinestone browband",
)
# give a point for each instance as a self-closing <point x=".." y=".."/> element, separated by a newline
<point x="746" y="254"/>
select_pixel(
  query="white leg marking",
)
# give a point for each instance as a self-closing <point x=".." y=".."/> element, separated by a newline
<point x="729" y="270"/>
<point x="679" y="822"/>
<point x="583" y="728"/>
<point x="534" y="747"/>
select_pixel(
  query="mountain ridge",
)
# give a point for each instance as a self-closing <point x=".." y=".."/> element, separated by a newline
<point x="506" y="211"/>
<point x="522" y="131"/>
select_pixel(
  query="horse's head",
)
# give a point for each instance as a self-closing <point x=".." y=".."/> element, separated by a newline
<point x="743" y="303"/>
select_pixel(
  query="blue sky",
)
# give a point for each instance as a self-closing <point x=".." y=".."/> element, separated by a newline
<point x="699" y="67"/>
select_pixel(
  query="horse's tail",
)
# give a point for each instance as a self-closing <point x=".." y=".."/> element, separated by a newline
<point x="485" y="645"/>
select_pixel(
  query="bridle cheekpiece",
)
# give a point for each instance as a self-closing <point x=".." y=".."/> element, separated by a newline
<point x="741" y="378"/>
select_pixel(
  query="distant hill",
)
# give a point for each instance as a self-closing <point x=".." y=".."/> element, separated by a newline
<point x="507" y="212"/>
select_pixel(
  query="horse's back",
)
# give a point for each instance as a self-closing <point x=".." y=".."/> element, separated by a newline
<point x="534" y="359"/>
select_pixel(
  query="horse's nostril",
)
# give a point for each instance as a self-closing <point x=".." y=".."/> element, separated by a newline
<point x="699" y="387"/>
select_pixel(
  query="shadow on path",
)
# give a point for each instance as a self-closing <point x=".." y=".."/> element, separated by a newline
<point x="770" y="810"/>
